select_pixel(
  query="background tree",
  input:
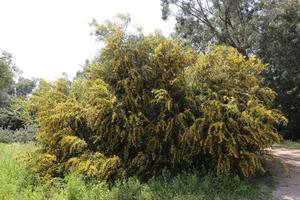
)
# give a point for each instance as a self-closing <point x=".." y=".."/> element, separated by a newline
<point x="14" y="110"/>
<point x="16" y="114"/>
<point x="6" y="77"/>
<point x="24" y="86"/>
<point x="206" y="22"/>
<point x="279" y="46"/>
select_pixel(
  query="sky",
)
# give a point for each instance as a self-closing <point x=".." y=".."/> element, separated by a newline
<point x="49" y="37"/>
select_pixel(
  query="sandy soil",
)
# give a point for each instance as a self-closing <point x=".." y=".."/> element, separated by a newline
<point x="287" y="184"/>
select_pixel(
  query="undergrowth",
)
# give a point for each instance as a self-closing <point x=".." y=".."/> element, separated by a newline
<point x="22" y="135"/>
<point x="18" y="182"/>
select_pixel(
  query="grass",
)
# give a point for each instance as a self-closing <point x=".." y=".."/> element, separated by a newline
<point x="18" y="182"/>
<point x="289" y="144"/>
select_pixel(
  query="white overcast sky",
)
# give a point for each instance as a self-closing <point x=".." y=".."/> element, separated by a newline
<point x="49" y="37"/>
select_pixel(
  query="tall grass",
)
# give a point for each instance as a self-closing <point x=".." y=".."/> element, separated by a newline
<point x="289" y="144"/>
<point x="18" y="182"/>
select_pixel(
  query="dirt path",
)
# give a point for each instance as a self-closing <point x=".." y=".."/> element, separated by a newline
<point x="287" y="184"/>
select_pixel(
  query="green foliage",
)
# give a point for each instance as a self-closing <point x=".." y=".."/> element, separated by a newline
<point x="289" y="144"/>
<point x="202" y="23"/>
<point x="279" y="46"/>
<point x="6" y="73"/>
<point x="18" y="181"/>
<point x="6" y="78"/>
<point x="147" y="104"/>
<point x="24" y="86"/>
<point x="22" y="135"/>
<point x="16" y="114"/>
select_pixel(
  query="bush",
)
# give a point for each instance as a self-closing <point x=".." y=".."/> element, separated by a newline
<point x="22" y="135"/>
<point x="148" y="104"/>
<point x="237" y="122"/>
<point x="16" y="115"/>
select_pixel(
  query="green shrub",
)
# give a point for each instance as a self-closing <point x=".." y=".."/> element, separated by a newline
<point x="22" y="135"/>
<point x="148" y="104"/>
<point x="16" y="114"/>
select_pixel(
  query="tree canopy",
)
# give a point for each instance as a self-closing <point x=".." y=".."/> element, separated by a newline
<point x="14" y="113"/>
<point x="6" y="77"/>
<point x="202" y="23"/>
<point x="279" y="45"/>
